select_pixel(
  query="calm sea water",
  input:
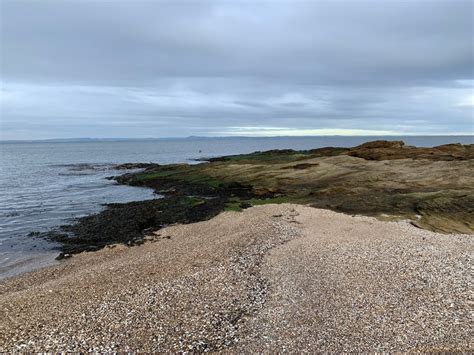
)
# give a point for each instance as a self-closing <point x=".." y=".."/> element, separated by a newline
<point x="44" y="184"/>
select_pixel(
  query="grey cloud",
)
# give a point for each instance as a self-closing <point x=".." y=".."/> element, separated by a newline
<point x="182" y="68"/>
<point x="322" y="42"/>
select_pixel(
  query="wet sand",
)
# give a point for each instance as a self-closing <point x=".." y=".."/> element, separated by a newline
<point x="271" y="278"/>
<point x="23" y="254"/>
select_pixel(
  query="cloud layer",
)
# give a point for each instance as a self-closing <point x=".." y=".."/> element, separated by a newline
<point x="149" y="68"/>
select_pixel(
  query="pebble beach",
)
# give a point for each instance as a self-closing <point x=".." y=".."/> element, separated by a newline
<point x="271" y="278"/>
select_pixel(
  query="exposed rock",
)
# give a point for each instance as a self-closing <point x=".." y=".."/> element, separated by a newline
<point x="388" y="150"/>
<point x="392" y="179"/>
<point x="129" y="166"/>
<point x="300" y="166"/>
<point x="381" y="144"/>
<point x="62" y="256"/>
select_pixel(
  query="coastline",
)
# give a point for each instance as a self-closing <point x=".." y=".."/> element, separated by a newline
<point x="247" y="281"/>
<point x="40" y="198"/>
<point x="433" y="187"/>
<point x="239" y="246"/>
<point x="226" y="177"/>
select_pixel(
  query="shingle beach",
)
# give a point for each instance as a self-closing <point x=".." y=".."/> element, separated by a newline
<point x="271" y="278"/>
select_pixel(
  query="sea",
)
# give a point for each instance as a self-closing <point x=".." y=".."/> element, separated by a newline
<point x="45" y="184"/>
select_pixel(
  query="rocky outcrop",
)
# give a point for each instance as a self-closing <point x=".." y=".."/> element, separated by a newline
<point x="434" y="187"/>
<point x="389" y="150"/>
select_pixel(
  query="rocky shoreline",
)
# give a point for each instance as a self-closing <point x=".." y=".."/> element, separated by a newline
<point x="431" y="186"/>
<point x="278" y="278"/>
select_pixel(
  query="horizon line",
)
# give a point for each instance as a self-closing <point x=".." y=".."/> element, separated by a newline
<point x="231" y="136"/>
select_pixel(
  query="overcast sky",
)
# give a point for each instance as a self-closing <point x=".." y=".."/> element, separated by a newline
<point x="214" y="68"/>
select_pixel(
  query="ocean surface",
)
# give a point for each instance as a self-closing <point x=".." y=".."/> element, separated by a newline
<point x="46" y="184"/>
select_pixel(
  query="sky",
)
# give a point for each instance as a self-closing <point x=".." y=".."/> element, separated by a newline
<point x="139" y="68"/>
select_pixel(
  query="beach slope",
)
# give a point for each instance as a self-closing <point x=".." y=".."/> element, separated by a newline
<point x="271" y="278"/>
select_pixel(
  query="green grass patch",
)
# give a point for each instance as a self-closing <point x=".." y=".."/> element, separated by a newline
<point x="281" y="155"/>
<point x="233" y="206"/>
<point x="277" y="200"/>
<point x="201" y="179"/>
<point x="265" y="157"/>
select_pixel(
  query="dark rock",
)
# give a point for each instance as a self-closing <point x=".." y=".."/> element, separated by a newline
<point x="300" y="166"/>
<point x="130" y="166"/>
<point x="381" y="144"/>
<point x="245" y="205"/>
<point x="62" y="256"/>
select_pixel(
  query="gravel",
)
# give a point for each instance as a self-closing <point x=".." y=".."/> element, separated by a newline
<point x="358" y="284"/>
<point x="271" y="278"/>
